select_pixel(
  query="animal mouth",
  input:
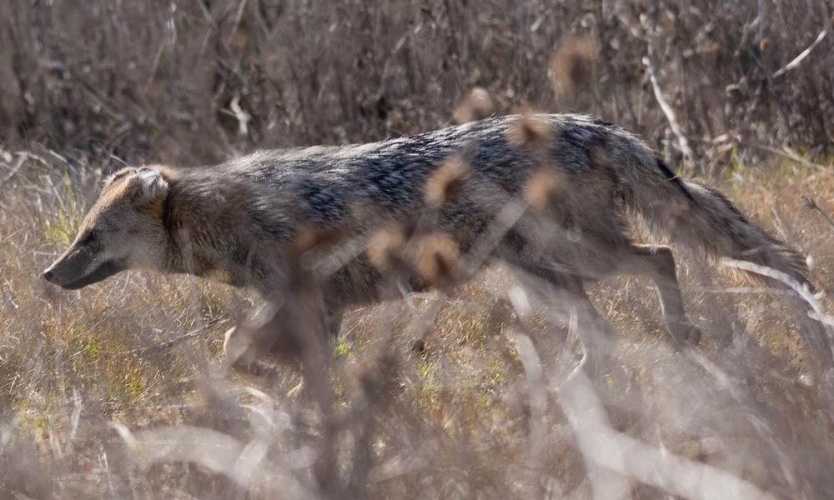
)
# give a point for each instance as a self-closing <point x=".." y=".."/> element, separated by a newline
<point x="103" y="272"/>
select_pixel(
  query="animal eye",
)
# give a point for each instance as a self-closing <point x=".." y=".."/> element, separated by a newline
<point x="91" y="236"/>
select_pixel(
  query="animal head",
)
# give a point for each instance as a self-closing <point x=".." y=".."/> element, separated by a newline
<point x="124" y="229"/>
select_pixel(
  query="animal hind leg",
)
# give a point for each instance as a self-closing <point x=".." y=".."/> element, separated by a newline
<point x="658" y="264"/>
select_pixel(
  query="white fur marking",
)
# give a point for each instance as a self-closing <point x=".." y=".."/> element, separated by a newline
<point x="152" y="182"/>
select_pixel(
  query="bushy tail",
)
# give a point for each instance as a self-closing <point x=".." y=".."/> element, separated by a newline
<point x="702" y="218"/>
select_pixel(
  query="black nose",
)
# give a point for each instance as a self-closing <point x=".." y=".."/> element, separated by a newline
<point x="48" y="275"/>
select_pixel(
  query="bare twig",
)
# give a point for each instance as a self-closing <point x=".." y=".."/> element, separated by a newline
<point x="792" y="155"/>
<point x="22" y="156"/>
<point x="777" y="275"/>
<point x="19" y="163"/>
<point x="810" y="204"/>
<point x="614" y="451"/>
<point x="242" y="462"/>
<point x="805" y="53"/>
<point x="243" y="118"/>
<point x="170" y="343"/>
<point x="155" y="66"/>
<point x="802" y="290"/>
<point x="669" y="112"/>
<point x="236" y="25"/>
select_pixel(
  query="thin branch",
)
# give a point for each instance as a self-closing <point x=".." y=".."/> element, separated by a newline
<point x="244" y="463"/>
<point x="671" y="116"/>
<point x="811" y="204"/>
<point x="777" y="275"/>
<point x="22" y="157"/>
<point x="622" y="454"/>
<point x="805" y="53"/>
<point x="172" y="342"/>
<point x="792" y="155"/>
<point x="236" y="25"/>
<point x="20" y="160"/>
<point x="817" y="313"/>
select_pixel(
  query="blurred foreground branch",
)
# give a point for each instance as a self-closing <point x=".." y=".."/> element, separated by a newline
<point x="625" y="455"/>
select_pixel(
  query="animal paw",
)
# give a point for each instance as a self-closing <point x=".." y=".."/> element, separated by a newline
<point x="685" y="333"/>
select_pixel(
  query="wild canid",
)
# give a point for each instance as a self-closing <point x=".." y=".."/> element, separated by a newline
<point x="561" y="188"/>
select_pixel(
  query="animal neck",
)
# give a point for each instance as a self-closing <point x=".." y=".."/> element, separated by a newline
<point x="208" y="235"/>
<point x="195" y="243"/>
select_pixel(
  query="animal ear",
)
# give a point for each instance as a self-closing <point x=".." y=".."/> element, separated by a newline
<point x="148" y="184"/>
<point x="117" y="175"/>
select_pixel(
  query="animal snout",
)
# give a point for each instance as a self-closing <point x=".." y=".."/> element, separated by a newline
<point x="49" y="275"/>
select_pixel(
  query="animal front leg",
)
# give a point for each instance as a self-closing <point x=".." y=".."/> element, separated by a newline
<point x="245" y="344"/>
<point x="567" y="292"/>
<point x="594" y="331"/>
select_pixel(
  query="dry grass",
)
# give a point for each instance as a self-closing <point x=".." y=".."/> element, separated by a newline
<point x="91" y="380"/>
<point x="120" y="390"/>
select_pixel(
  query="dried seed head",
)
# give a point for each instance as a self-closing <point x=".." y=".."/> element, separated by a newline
<point x="367" y="213"/>
<point x="764" y="44"/>
<point x="599" y="157"/>
<point x="386" y="248"/>
<point x="313" y="238"/>
<point x="477" y="105"/>
<point x="530" y="131"/>
<point x="572" y="69"/>
<point x="544" y="190"/>
<point x="446" y="181"/>
<point x="437" y="256"/>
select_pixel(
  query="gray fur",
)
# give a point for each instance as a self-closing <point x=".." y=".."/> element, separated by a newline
<point x="282" y="191"/>
<point x="242" y="218"/>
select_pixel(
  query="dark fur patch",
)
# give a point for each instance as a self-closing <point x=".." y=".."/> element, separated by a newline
<point x="575" y="145"/>
<point x="728" y="205"/>
<point x="674" y="178"/>
<point x="582" y="138"/>
<point x="266" y="225"/>
<point x="170" y="221"/>
<point x="103" y="272"/>
<point x="324" y="207"/>
<point x="605" y="124"/>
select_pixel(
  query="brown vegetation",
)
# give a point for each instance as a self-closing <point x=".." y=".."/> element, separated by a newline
<point x="189" y="82"/>
<point x="120" y="391"/>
